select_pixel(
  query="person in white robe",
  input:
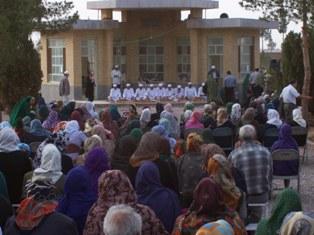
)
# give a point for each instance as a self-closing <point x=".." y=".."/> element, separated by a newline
<point x="140" y="92"/>
<point x="190" y="92"/>
<point x="128" y="92"/>
<point x="115" y="93"/>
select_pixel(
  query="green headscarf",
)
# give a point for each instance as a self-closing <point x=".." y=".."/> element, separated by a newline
<point x="245" y="87"/>
<point x="20" y="110"/>
<point x="229" y="107"/>
<point x="287" y="201"/>
<point x="137" y="134"/>
<point x="188" y="106"/>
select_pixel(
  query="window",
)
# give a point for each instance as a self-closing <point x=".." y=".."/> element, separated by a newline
<point x="151" y="57"/>
<point x="246" y="55"/>
<point x="183" y="59"/>
<point x="88" y="59"/>
<point x="119" y="55"/>
<point x="56" y="59"/>
<point x="216" y="53"/>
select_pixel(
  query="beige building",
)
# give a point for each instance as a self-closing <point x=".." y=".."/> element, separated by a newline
<point x="151" y="43"/>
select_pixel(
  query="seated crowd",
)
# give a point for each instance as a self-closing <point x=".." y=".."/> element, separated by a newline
<point x="69" y="170"/>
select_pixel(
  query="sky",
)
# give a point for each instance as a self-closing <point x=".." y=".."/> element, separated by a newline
<point x="231" y="7"/>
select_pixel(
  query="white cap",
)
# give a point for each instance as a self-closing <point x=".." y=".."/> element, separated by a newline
<point x="128" y="84"/>
<point x="203" y="84"/>
<point x="169" y="85"/>
<point x="114" y="85"/>
<point x="140" y="85"/>
<point x="190" y="83"/>
<point x="116" y="66"/>
<point x="160" y="84"/>
<point x="179" y="86"/>
<point x="66" y="72"/>
<point x="213" y="66"/>
<point x="151" y="85"/>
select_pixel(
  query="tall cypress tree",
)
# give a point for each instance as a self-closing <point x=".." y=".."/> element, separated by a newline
<point x="20" y="72"/>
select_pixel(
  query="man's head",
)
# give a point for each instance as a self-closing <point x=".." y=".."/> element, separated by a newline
<point x="122" y="220"/>
<point x="213" y="67"/>
<point x="190" y="84"/>
<point x="247" y="133"/>
<point x="66" y="73"/>
<point x="116" y="67"/>
<point x="228" y="72"/>
<point x="294" y="83"/>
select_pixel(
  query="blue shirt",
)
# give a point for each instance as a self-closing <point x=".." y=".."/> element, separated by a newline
<point x="230" y="81"/>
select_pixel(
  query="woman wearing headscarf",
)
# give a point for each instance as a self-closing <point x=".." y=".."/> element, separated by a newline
<point x="78" y="197"/>
<point x="145" y="118"/>
<point x="75" y="139"/>
<point x="90" y="107"/>
<point x="37" y="214"/>
<point x="52" y="120"/>
<point x="115" y="188"/>
<point x="66" y="111"/>
<point x="189" y="168"/>
<point x="89" y="144"/>
<point x="150" y="192"/>
<point x="287" y="201"/>
<point x="194" y="121"/>
<point x="106" y="137"/>
<point x="273" y="119"/>
<point x="78" y="116"/>
<point x="50" y="169"/>
<point x="223" y="120"/>
<point x="121" y="158"/>
<point x="285" y="141"/>
<point x="108" y="123"/>
<point x="116" y="116"/>
<point x="20" y="110"/>
<point x="298" y="119"/>
<point x="208" y="118"/>
<point x="298" y="223"/>
<point x="160" y="130"/>
<point x="150" y="149"/>
<point x="207" y="207"/>
<point x="13" y="163"/>
<point x="219" y="169"/>
<point x="219" y="227"/>
<point x="235" y="115"/>
<point x="37" y="129"/>
<point x="96" y="163"/>
<point x="137" y="134"/>
<point x="174" y="128"/>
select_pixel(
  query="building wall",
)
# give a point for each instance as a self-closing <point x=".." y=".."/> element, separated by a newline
<point x="169" y="27"/>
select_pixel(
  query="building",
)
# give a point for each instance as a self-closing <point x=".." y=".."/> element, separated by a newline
<point x="151" y="43"/>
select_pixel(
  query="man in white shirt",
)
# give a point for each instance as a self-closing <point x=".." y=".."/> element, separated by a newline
<point x="159" y="91"/>
<point x="151" y="93"/>
<point x="190" y="92"/>
<point x="140" y="92"/>
<point x="115" y="93"/>
<point x="200" y="92"/>
<point x="179" y="93"/>
<point x="128" y="92"/>
<point x="289" y="97"/>
<point x="116" y="76"/>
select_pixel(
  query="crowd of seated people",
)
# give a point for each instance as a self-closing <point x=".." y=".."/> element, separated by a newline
<point x="71" y="170"/>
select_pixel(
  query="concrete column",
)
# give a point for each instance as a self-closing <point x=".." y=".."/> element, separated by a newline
<point x="194" y="39"/>
<point x="170" y="59"/>
<point x="203" y="56"/>
<point x="106" y="14"/>
<point x="132" y="62"/>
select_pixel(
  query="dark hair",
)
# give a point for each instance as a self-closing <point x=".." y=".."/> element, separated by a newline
<point x="229" y="72"/>
<point x="293" y="82"/>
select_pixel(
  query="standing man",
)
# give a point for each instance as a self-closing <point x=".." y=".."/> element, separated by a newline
<point x="190" y="92"/>
<point x="230" y="84"/>
<point x="64" y="88"/>
<point x="116" y="76"/>
<point x="213" y="83"/>
<point x="289" y="97"/>
<point x="90" y="87"/>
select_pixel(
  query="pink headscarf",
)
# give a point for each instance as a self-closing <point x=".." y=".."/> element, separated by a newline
<point x="194" y="121"/>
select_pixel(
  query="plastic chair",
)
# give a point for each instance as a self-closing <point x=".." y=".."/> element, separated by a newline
<point x="282" y="155"/>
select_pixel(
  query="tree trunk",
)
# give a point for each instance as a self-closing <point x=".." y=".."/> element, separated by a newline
<point x="307" y="71"/>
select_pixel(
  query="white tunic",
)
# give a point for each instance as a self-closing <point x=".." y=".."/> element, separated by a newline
<point x="190" y="92"/>
<point x="200" y="92"/>
<point x="179" y="93"/>
<point x="169" y="93"/>
<point x="128" y="93"/>
<point x="116" y="76"/>
<point x="115" y="94"/>
<point x="151" y="94"/>
<point x="140" y="94"/>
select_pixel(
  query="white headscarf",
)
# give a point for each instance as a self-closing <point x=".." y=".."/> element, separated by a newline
<point x="274" y="118"/>
<point x="235" y="113"/>
<point x="298" y="118"/>
<point x="187" y="115"/>
<point x="90" y="107"/>
<point x="50" y="167"/>
<point x="5" y="124"/>
<point x="145" y="116"/>
<point x="71" y="127"/>
<point x="8" y="140"/>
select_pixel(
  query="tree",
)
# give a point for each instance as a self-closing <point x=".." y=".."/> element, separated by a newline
<point x="20" y="72"/>
<point x="285" y="11"/>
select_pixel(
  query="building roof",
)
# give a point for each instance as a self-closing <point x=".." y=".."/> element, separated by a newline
<point x="152" y="4"/>
<point x="95" y="24"/>
<point x="231" y="23"/>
